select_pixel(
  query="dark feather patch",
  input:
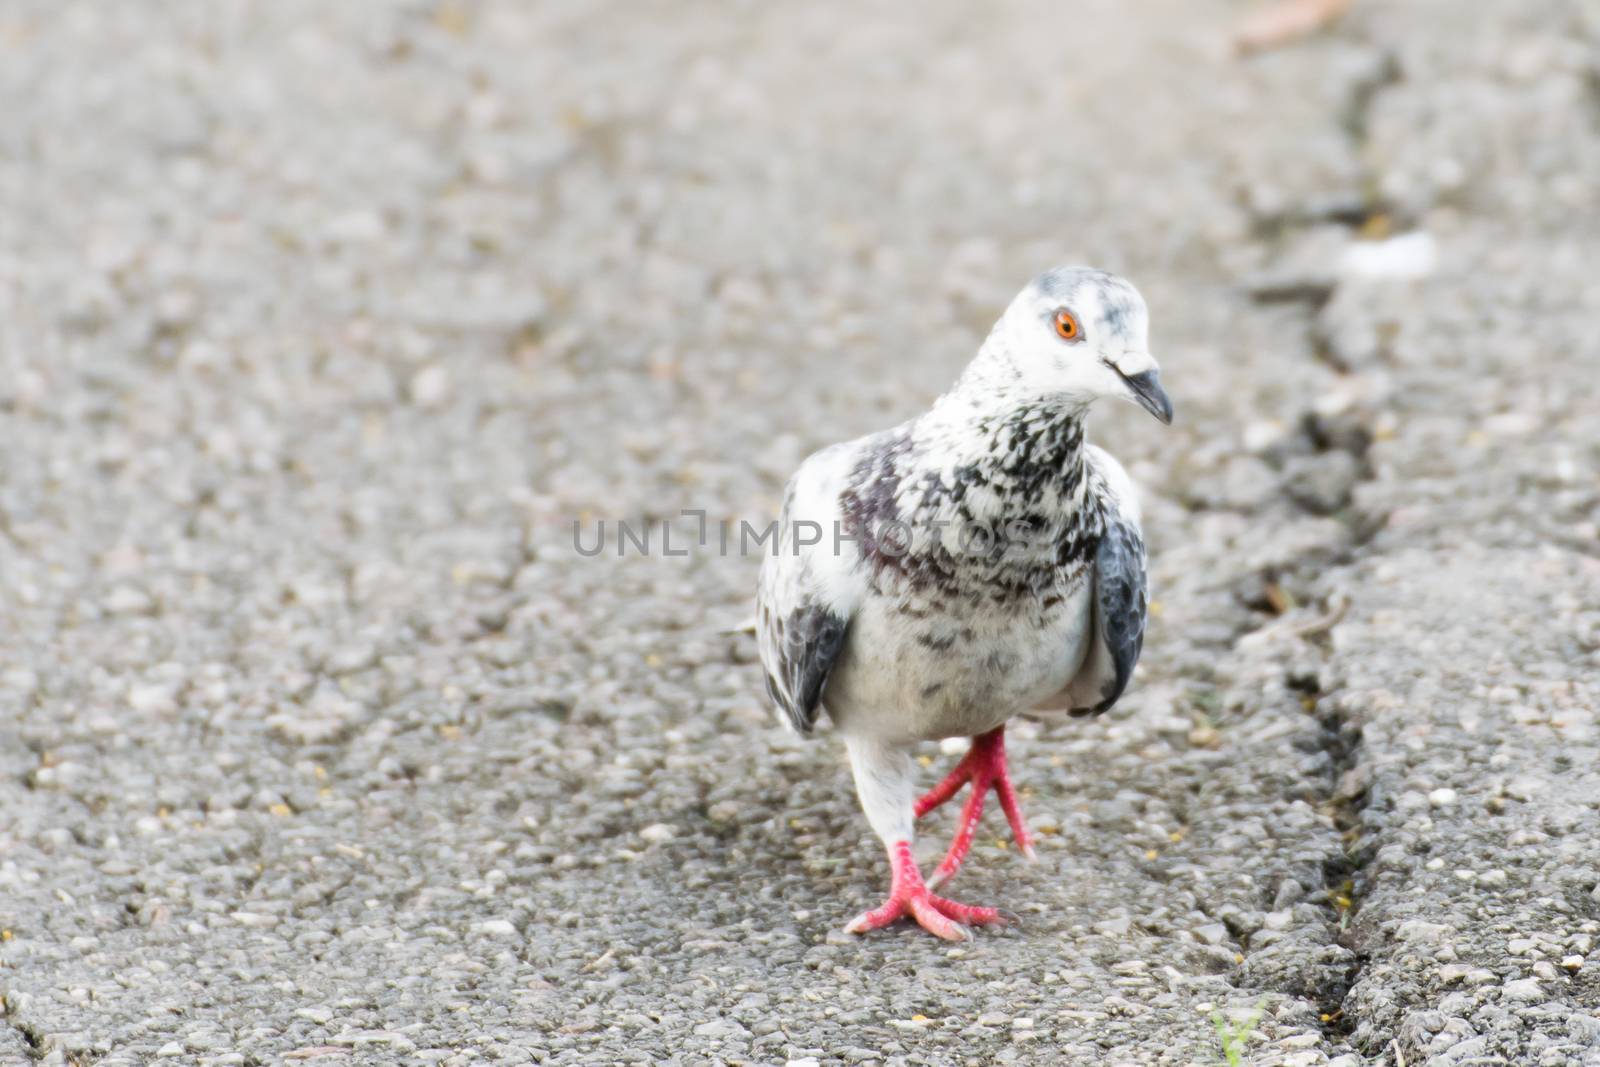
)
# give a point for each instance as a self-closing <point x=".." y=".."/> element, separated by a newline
<point x="808" y="645"/>
<point x="1120" y="603"/>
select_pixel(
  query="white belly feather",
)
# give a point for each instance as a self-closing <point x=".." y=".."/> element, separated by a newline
<point x="906" y="676"/>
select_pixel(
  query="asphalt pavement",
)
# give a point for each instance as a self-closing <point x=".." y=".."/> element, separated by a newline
<point x="323" y="325"/>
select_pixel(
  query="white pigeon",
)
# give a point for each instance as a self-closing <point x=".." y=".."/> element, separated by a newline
<point x="978" y="562"/>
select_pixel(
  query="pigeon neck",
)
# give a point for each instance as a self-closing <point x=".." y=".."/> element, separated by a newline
<point x="1026" y="448"/>
<point x="993" y="387"/>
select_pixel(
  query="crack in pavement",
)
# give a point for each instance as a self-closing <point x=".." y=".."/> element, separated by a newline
<point x="1346" y="873"/>
<point x="32" y="1039"/>
<point x="1345" y="793"/>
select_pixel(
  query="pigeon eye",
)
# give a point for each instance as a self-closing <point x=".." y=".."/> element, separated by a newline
<point x="1067" y="326"/>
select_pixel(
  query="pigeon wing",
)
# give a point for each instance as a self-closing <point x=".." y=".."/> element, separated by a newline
<point x="1120" y="602"/>
<point x="808" y="591"/>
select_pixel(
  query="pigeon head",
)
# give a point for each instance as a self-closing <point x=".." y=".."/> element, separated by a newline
<point x="1076" y="334"/>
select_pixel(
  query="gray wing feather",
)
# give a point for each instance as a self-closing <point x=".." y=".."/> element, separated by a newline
<point x="805" y="598"/>
<point x="1120" y="604"/>
<point x="804" y="645"/>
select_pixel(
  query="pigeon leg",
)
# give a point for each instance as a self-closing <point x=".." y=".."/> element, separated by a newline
<point x="909" y="897"/>
<point x="984" y="766"/>
<point x="883" y="780"/>
<point x="958" y="777"/>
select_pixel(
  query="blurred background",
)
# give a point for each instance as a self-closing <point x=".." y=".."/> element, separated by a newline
<point x="321" y="325"/>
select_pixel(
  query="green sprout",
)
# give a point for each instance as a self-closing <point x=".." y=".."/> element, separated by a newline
<point x="1234" y="1036"/>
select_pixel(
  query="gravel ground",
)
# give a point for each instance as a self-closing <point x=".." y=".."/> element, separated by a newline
<point x="320" y="324"/>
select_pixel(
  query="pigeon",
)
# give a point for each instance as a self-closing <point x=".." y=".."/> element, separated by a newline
<point x="975" y="563"/>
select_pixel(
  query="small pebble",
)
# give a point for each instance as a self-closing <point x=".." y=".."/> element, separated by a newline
<point x="1525" y="990"/>
<point x="151" y="700"/>
<point x="430" y="387"/>
<point x="126" y="600"/>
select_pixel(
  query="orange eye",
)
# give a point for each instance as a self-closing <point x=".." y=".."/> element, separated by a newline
<point x="1067" y="326"/>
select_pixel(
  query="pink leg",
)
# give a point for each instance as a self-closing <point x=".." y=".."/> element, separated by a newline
<point x="908" y="895"/>
<point x="971" y="915"/>
<point x="961" y="844"/>
<point x="1013" y="810"/>
<point x="984" y="766"/>
<point x="958" y="777"/>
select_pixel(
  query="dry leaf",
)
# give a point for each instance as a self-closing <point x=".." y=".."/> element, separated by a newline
<point x="1285" y="22"/>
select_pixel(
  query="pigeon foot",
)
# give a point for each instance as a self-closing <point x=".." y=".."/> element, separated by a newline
<point x="909" y="897"/>
<point x="984" y="766"/>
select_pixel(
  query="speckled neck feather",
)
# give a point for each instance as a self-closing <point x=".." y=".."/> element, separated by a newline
<point x="985" y="455"/>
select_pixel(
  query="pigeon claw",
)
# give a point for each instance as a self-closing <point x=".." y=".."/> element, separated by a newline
<point x="910" y="897"/>
<point x="984" y="766"/>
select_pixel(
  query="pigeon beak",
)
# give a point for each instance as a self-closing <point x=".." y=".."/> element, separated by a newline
<point x="1148" y="394"/>
<point x="1144" y="389"/>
